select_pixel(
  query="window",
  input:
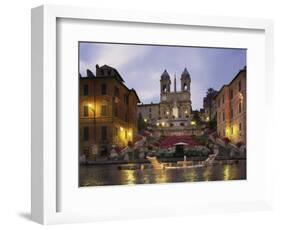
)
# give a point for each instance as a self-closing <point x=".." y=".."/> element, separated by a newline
<point x="164" y="88"/>
<point x="103" y="89"/>
<point x="86" y="111"/>
<point x="219" y="102"/>
<point x="231" y="94"/>
<point x="86" y="133"/>
<point x="103" y="133"/>
<point x="104" y="110"/>
<point x="240" y="127"/>
<point x="231" y="113"/>
<point x="102" y="72"/>
<point x="126" y="99"/>
<point x="116" y="131"/>
<point x="150" y="116"/>
<point x="223" y="116"/>
<point x="150" y="110"/>
<point x="116" y="112"/>
<point x="223" y="98"/>
<point x="240" y="106"/>
<point x="85" y="90"/>
<point x="126" y="134"/>
<point x="239" y="86"/>
<point x="116" y="91"/>
<point x="231" y="130"/>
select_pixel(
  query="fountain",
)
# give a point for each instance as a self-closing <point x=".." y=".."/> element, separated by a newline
<point x="182" y="164"/>
<point x="155" y="164"/>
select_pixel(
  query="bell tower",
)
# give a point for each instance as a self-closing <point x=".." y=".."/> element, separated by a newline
<point x="185" y="90"/>
<point x="185" y="81"/>
<point x="165" y="82"/>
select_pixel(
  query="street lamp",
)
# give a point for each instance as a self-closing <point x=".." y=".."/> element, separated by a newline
<point x="193" y="124"/>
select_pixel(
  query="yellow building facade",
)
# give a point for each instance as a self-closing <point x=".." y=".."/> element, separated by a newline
<point x="108" y="112"/>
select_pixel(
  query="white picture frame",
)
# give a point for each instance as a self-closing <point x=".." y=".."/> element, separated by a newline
<point x="46" y="181"/>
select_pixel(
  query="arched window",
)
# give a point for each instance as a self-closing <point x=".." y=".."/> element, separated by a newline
<point x="164" y="88"/>
<point x="184" y="86"/>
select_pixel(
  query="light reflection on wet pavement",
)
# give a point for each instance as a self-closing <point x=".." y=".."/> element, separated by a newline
<point x="98" y="175"/>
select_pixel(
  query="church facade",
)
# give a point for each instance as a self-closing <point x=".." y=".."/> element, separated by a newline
<point x="173" y="114"/>
<point x="176" y="104"/>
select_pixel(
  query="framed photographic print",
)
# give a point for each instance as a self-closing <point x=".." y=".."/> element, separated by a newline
<point x="148" y="115"/>
<point x="132" y="133"/>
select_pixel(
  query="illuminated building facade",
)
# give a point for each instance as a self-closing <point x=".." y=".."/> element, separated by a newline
<point x="177" y="104"/>
<point x="108" y="112"/>
<point x="174" y="112"/>
<point x="231" y="109"/>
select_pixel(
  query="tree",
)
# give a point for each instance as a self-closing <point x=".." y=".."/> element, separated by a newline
<point x="211" y="91"/>
<point x="212" y="124"/>
<point x="209" y="100"/>
<point x="196" y="117"/>
<point x="141" y="123"/>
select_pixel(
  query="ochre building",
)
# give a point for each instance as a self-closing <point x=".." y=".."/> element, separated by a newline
<point x="108" y="112"/>
<point x="231" y="109"/>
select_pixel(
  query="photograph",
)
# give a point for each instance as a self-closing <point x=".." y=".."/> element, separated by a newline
<point x="156" y="113"/>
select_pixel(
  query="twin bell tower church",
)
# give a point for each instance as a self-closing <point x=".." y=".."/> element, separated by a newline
<point x="176" y="104"/>
<point x="174" y="111"/>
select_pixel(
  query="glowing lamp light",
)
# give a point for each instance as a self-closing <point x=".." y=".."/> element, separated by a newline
<point x="157" y="123"/>
<point x="121" y="128"/>
<point x="227" y="132"/>
<point x="167" y="112"/>
<point x="163" y="123"/>
<point x="130" y="134"/>
<point x="193" y="123"/>
<point x="207" y="118"/>
<point x="240" y="95"/>
<point x="145" y="120"/>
